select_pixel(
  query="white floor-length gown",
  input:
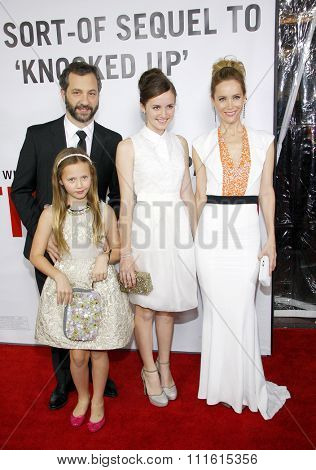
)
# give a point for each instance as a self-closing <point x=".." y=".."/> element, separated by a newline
<point x="227" y="247"/>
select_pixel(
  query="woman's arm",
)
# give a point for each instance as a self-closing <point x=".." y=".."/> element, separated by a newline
<point x="112" y="235"/>
<point x="200" y="172"/>
<point x="267" y="204"/>
<point x="37" y="258"/>
<point x="125" y="169"/>
<point x="186" y="191"/>
<point x="111" y="254"/>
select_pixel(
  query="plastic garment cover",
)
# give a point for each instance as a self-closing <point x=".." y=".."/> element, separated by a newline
<point x="295" y="185"/>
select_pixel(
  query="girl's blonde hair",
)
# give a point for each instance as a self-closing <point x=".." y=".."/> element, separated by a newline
<point x="228" y="69"/>
<point x="59" y="205"/>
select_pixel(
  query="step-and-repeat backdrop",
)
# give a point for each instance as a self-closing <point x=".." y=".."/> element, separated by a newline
<point x="38" y="39"/>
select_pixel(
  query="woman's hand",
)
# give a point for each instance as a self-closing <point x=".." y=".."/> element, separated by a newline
<point x="64" y="289"/>
<point x="127" y="271"/>
<point x="270" y="251"/>
<point x="100" y="270"/>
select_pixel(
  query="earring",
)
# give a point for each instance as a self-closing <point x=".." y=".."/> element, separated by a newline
<point x="244" y="111"/>
<point x="214" y="114"/>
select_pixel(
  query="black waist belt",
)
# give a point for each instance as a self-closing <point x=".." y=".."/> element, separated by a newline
<point x="232" y="199"/>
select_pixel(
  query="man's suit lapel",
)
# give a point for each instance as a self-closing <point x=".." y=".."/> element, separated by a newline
<point x="96" y="148"/>
<point x="58" y="136"/>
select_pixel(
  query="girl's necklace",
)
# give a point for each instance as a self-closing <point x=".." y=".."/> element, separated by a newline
<point x="78" y="211"/>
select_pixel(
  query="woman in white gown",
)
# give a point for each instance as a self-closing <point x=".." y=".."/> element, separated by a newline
<point x="234" y="167"/>
<point x="155" y="231"/>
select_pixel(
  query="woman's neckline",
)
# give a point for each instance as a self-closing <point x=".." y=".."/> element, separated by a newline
<point x="244" y="136"/>
<point x="154" y="136"/>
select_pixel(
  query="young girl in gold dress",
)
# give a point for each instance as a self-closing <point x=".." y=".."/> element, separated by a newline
<point x="86" y="234"/>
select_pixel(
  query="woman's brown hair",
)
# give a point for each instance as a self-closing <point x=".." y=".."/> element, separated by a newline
<point x="154" y="83"/>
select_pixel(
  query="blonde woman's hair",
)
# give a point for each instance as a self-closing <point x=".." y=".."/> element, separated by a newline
<point x="228" y="69"/>
<point x="59" y="205"/>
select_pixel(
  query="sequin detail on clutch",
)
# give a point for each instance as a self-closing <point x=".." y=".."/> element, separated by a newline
<point x="143" y="286"/>
<point x="83" y="316"/>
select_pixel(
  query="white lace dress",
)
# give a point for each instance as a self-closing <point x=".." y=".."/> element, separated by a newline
<point x="161" y="235"/>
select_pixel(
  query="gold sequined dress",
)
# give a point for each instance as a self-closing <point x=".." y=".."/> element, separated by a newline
<point x="117" y="321"/>
<point x="227" y="245"/>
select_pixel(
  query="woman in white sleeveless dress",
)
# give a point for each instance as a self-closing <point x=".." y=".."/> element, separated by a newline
<point x="234" y="165"/>
<point x="155" y="231"/>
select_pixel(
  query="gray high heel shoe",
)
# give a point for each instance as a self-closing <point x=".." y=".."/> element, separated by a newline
<point x="171" y="392"/>
<point x="157" y="400"/>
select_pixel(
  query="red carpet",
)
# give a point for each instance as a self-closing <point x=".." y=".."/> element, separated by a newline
<point x="132" y="423"/>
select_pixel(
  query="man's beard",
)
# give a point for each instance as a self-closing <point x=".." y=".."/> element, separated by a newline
<point x="74" y="113"/>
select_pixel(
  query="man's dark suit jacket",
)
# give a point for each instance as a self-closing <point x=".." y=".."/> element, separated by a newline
<point x="32" y="187"/>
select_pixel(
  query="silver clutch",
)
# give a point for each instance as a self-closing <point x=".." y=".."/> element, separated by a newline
<point x="83" y="316"/>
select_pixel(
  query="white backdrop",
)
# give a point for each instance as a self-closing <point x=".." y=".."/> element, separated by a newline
<point x="123" y="38"/>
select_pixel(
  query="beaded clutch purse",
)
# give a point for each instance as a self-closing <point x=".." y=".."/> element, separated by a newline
<point x="83" y="316"/>
<point x="143" y="286"/>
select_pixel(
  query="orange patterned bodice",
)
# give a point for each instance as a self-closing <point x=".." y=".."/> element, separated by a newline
<point x="235" y="178"/>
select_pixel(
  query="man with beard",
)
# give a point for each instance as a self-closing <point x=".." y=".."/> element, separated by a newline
<point x="32" y="189"/>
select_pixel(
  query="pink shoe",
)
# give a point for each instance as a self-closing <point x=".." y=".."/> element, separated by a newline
<point x="77" y="421"/>
<point x="94" y="427"/>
